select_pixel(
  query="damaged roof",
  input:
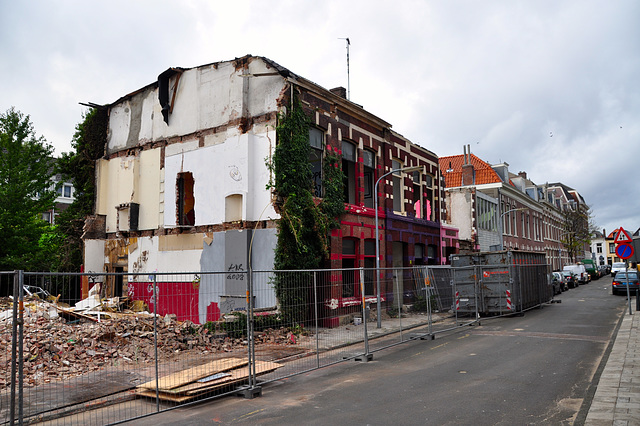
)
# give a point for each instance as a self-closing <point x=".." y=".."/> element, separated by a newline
<point x="279" y="69"/>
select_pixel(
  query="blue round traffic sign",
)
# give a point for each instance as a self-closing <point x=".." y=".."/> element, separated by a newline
<point x="624" y="251"/>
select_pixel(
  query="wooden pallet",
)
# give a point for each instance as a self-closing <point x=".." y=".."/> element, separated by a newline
<point x="207" y="378"/>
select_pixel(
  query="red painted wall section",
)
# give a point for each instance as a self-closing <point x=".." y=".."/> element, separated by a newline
<point x="180" y="299"/>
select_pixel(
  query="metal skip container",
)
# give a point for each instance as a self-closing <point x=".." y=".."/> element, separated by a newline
<point x="501" y="282"/>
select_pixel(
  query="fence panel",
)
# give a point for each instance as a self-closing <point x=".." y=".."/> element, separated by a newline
<point x="8" y="329"/>
<point x="95" y="360"/>
<point x="304" y="331"/>
<point x="168" y="339"/>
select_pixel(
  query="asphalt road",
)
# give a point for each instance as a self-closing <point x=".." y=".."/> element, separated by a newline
<point x="533" y="369"/>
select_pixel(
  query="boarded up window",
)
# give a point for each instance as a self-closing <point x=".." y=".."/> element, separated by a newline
<point x="233" y="208"/>
<point x="185" y="199"/>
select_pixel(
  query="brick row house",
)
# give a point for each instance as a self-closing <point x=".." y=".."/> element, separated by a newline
<point x="182" y="187"/>
<point x="495" y="209"/>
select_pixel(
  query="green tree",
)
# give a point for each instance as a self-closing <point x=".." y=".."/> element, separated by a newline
<point x="578" y="229"/>
<point x="26" y="191"/>
<point x="78" y="167"/>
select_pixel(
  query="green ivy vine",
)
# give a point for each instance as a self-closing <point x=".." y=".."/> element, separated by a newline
<point x="305" y="226"/>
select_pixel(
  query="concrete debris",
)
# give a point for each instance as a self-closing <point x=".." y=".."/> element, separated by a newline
<point x="60" y="343"/>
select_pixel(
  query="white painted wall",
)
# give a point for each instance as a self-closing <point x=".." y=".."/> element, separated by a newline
<point x="207" y="97"/>
<point x="94" y="258"/>
<point x="459" y="205"/>
<point x="234" y="167"/>
<point x="147" y="257"/>
<point x="130" y="179"/>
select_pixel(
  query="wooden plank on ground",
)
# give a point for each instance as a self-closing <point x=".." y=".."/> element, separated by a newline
<point x="163" y="396"/>
<point x="190" y="375"/>
<point x="234" y="376"/>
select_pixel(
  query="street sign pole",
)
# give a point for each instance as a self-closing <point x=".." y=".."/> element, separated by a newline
<point x="626" y="274"/>
<point x="625" y="251"/>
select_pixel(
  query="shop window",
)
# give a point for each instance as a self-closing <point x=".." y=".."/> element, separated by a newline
<point x="349" y="170"/>
<point x="185" y="199"/>
<point x="369" y="163"/>
<point x="316" y="138"/>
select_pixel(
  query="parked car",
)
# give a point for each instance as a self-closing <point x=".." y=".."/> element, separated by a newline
<point x="603" y="270"/>
<point x="617" y="267"/>
<point x="619" y="284"/>
<point x="580" y="272"/>
<point x="561" y="281"/>
<point x="571" y="279"/>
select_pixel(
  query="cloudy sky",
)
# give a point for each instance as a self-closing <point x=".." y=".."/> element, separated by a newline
<point x="550" y="87"/>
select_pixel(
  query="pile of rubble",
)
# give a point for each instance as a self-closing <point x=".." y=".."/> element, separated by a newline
<point x="60" y="343"/>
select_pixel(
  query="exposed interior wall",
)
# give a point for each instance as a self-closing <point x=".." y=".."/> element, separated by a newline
<point x="220" y="171"/>
<point x="460" y="212"/>
<point x="94" y="255"/>
<point x="205" y="97"/>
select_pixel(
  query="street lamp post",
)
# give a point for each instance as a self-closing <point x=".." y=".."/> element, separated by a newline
<point x="501" y="228"/>
<point x="375" y="201"/>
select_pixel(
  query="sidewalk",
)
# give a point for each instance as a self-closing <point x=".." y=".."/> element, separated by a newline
<point x="617" y="397"/>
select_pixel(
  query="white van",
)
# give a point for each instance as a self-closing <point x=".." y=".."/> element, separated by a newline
<point x="579" y="271"/>
<point x="618" y="267"/>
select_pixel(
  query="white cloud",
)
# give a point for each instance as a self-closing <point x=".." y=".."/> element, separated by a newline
<point x="501" y="76"/>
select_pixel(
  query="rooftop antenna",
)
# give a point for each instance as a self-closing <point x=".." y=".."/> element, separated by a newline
<point x="348" y="82"/>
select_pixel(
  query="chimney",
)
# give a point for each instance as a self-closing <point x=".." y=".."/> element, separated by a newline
<point x="340" y="91"/>
<point x="468" y="171"/>
<point x="522" y="174"/>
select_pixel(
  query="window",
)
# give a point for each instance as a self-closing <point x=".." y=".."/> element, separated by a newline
<point x="369" y="267"/>
<point x="47" y="217"/>
<point x="350" y="277"/>
<point x="419" y="254"/>
<point x="612" y="248"/>
<point x="598" y="247"/>
<point x="66" y="190"/>
<point x="417" y="196"/>
<point x="432" y="249"/>
<point x="316" y="138"/>
<point x="428" y="210"/>
<point x="423" y="196"/>
<point x="185" y="199"/>
<point x="397" y="186"/>
<point x="349" y="170"/>
<point x="369" y="165"/>
<point x="486" y="215"/>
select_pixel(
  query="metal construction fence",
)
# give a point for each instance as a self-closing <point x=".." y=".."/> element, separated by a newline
<point x="170" y="339"/>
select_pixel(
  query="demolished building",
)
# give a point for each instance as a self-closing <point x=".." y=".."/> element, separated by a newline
<point x="182" y="187"/>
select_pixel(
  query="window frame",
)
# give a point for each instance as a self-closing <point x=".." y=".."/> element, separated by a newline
<point x="316" y="159"/>
<point x="350" y="171"/>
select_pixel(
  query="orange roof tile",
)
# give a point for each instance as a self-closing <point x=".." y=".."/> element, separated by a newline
<point x="451" y="169"/>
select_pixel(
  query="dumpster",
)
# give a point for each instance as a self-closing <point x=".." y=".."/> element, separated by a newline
<point x="489" y="283"/>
